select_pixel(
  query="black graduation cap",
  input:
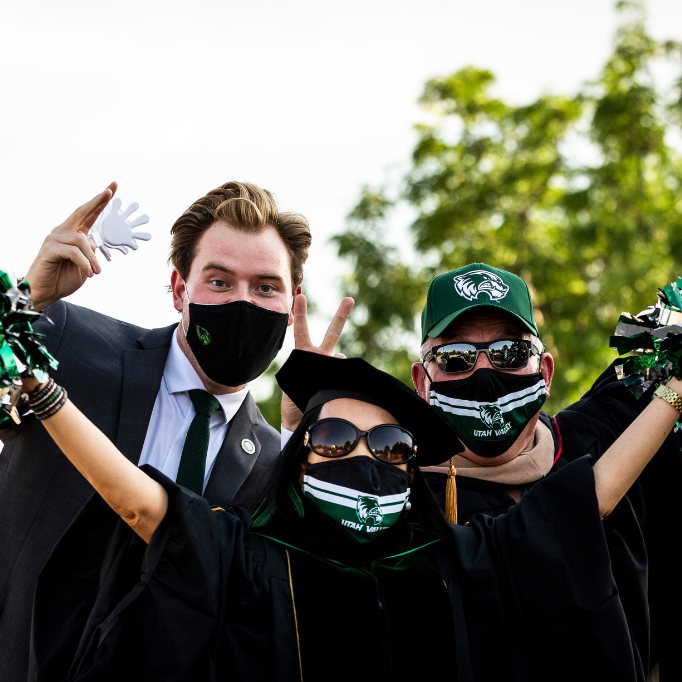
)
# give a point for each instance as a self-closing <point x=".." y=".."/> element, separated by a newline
<point x="311" y="379"/>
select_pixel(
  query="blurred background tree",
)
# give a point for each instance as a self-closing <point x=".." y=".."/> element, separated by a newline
<point x="581" y="196"/>
<point x="578" y="195"/>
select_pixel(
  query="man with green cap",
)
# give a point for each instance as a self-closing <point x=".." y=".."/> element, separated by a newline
<point x="479" y="319"/>
<point x="485" y="370"/>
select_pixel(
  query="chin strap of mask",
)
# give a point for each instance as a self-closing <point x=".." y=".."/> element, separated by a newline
<point x="451" y="495"/>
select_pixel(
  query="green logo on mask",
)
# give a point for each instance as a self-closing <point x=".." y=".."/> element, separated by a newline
<point x="506" y="403"/>
<point x="203" y="335"/>
<point x="369" y="511"/>
<point x="491" y="416"/>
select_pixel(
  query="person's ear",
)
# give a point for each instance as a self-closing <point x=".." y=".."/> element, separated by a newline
<point x="297" y="292"/>
<point x="178" y="289"/>
<point x="420" y="380"/>
<point x="547" y="369"/>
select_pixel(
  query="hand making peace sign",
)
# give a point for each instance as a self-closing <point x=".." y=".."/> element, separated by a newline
<point x="291" y="415"/>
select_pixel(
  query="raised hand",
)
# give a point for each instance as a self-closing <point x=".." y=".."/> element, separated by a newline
<point x="114" y="231"/>
<point x="291" y="415"/>
<point x="67" y="257"/>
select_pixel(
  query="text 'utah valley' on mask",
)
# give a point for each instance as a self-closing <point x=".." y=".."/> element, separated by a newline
<point x="362" y="494"/>
<point x="489" y="409"/>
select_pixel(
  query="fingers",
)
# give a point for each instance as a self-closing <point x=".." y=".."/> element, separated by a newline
<point x="83" y="218"/>
<point x="340" y="356"/>
<point x="115" y="205"/>
<point x="337" y="324"/>
<point x="301" y="332"/>
<point x="54" y="244"/>
<point x="99" y="203"/>
<point x="130" y="210"/>
<point x="76" y="250"/>
<point x="144" y="236"/>
<point x="291" y="415"/>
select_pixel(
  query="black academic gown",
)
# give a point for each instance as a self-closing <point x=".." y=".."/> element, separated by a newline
<point x="528" y="595"/>
<point x="644" y="553"/>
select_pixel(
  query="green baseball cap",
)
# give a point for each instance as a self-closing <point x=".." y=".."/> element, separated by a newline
<point x="475" y="286"/>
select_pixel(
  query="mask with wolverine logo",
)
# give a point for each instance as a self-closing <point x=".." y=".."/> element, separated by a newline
<point x="362" y="494"/>
<point x="489" y="409"/>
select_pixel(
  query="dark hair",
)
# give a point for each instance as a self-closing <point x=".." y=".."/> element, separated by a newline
<point x="246" y="207"/>
<point x="282" y="501"/>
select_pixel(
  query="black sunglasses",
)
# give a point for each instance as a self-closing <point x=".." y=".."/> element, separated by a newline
<point x="337" y="437"/>
<point x="461" y="357"/>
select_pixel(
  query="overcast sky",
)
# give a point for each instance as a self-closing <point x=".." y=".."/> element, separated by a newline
<point x="308" y="99"/>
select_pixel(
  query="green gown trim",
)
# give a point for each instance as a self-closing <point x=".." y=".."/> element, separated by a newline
<point x="339" y="563"/>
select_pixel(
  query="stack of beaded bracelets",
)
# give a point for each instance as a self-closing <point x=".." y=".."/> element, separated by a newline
<point x="48" y="400"/>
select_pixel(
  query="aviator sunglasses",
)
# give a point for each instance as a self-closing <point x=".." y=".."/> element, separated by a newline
<point x="452" y="358"/>
<point x="337" y="437"/>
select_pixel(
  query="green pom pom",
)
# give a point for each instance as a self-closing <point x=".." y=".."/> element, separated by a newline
<point x="22" y="353"/>
<point x="655" y="337"/>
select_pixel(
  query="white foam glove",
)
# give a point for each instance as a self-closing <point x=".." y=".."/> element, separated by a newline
<point x="113" y="230"/>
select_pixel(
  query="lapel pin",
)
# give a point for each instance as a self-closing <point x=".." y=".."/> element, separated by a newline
<point x="248" y="447"/>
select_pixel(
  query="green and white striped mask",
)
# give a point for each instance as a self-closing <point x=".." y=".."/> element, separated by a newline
<point x="489" y="409"/>
<point x="362" y="494"/>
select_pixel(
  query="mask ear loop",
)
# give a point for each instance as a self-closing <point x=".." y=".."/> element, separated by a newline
<point x="427" y="372"/>
<point x="183" y="319"/>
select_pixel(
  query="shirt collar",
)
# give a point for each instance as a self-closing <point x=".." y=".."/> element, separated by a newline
<point x="180" y="377"/>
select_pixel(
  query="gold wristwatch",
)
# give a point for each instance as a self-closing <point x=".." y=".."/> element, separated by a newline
<point x="669" y="396"/>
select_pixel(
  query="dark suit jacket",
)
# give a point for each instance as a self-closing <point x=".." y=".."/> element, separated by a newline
<point x="112" y="371"/>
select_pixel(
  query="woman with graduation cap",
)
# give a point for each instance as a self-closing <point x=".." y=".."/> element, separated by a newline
<point x="347" y="570"/>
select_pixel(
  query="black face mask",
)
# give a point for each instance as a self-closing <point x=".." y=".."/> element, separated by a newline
<point x="362" y="494"/>
<point x="234" y="342"/>
<point x="489" y="409"/>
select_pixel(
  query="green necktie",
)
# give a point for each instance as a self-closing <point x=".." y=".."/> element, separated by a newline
<point x="193" y="461"/>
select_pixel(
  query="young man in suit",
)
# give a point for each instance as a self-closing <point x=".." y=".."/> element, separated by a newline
<point x="176" y="398"/>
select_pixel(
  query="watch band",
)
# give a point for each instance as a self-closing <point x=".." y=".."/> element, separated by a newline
<point x="670" y="396"/>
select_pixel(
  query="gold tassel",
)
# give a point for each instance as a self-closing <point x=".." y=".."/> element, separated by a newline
<point x="451" y="495"/>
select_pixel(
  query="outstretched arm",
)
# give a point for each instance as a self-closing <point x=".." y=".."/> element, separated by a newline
<point x="140" y="501"/>
<point x="618" y="468"/>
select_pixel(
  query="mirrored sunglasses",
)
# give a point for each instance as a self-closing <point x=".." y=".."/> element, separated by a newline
<point x="452" y="358"/>
<point x="335" y="437"/>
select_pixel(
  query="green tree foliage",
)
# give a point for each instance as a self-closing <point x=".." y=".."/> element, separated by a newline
<point x="578" y="195"/>
<point x="270" y="407"/>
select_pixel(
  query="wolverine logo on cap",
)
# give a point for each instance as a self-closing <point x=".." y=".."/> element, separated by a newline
<point x="471" y="284"/>
<point x="491" y="416"/>
<point x="369" y="510"/>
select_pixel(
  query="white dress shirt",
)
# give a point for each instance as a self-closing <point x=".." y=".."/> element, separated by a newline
<point x="284" y="436"/>
<point x="173" y="413"/>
